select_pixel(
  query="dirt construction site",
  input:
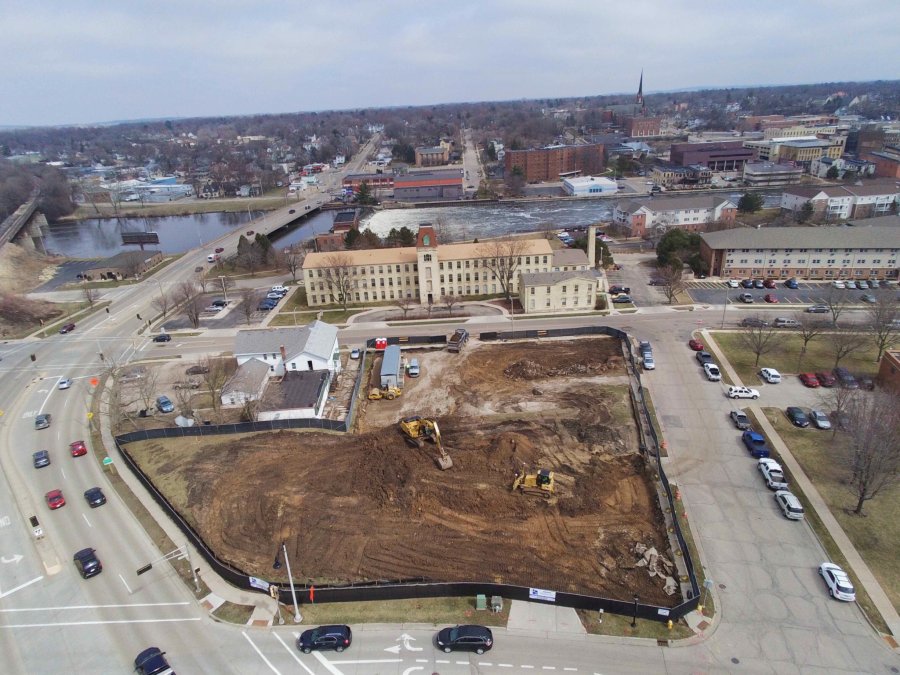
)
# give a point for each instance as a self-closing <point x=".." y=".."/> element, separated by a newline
<point x="368" y="506"/>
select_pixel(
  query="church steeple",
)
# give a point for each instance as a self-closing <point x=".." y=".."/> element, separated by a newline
<point x="639" y="99"/>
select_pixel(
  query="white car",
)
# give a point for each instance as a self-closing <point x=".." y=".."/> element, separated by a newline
<point x="65" y="383"/>
<point x="838" y="284"/>
<point x="279" y="289"/>
<point x="770" y="375"/>
<point x="712" y="372"/>
<point x="819" y="419"/>
<point x="839" y="585"/>
<point x="354" y="353"/>
<point x="772" y="474"/>
<point x="733" y="283"/>
<point x="742" y="392"/>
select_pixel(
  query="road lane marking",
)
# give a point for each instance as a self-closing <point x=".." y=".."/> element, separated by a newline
<point x="84" y="515"/>
<point x="261" y="655"/>
<point x="126" y="584"/>
<point x="131" y="604"/>
<point x="524" y="667"/>
<point x="293" y="653"/>
<point x="19" y="588"/>
<point x="96" y="623"/>
<point x="366" y="661"/>
<point x="331" y="669"/>
<point x="504" y="665"/>
<point x="64" y="473"/>
<point x="571" y="670"/>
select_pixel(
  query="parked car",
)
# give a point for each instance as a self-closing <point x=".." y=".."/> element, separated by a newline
<point x="733" y="283"/>
<point x="703" y="357"/>
<point x="615" y="289"/>
<point x="769" y="283"/>
<point x="839" y="585"/>
<point x="747" y="283"/>
<point x="162" y="337"/>
<point x="844" y="378"/>
<point x="696" y="345"/>
<point x="648" y="362"/>
<point x="792" y="283"/>
<point x="874" y="283"/>
<point x="869" y="298"/>
<point x="818" y="309"/>
<point x="220" y="250"/>
<point x="741" y="421"/>
<point x="336" y="637"/>
<point x="713" y="374"/>
<point x="478" y="639"/>
<point x="65" y="383"/>
<point x="754" y="322"/>
<point x="840" y="419"/>
<point x="770" y="298"/>
<point x="746" y="298"/>
<point x="164" y="404"/>
<point x="67" y="328"/>
<point x="742" y="392"/>
<point x="197" y="370"/>
<point x="850" y="284"/>
<point x="838" y="284"/>
<point x="43" y="421"/>
<point x="87" y="563"/>
<point x="809" y="380"/>
<point x="755" y="444"/>
<point x="826" y="379"/>
<point x="819" y="419"/>
<point x="797" y="417"/>
<point x="40" y="459"/>
<point x="790" y="506"/>
<point x="265" y="306"/>
<point x="863" y="284"/>
<point x="865" y="382"/>
<point x="758" y="283"/>
<point x="152" y="661"/>
<point x="770" y="375"/>
<point x="622" y="299"/>
<point x="77" y="448"/>
<point x="94" y="497"/>
<point x="355" y="353"/>
<point x="274" y="296"/>
<point x="785" y="322"/>
<point x="772" y="473"/>
<point x="55" y="499"/>
<point x="279" y="289"/>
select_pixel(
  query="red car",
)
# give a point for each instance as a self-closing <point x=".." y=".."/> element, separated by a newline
<point x="769" y="283"/>
<point x="770" y="297"/>
<point x="78" y="448"/>
<point x="696" y="345"/>
<point x="220" y="250"/>
<point x="55" y="499"/>
<point x="825" y="379"/>
<point x="809" y="380"/>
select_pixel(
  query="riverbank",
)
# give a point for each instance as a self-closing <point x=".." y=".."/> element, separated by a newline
<point x="187" y="207"/>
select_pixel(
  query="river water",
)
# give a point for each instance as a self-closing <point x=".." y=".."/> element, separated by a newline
<point x="102" y="237"/>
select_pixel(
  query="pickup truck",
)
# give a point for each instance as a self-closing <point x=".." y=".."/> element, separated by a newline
<point x="457" y="340"/>
<point x="615" y="289"/>
<point x="756" y="444"/>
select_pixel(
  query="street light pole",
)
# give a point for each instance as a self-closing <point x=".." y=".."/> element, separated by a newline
<point x="297" y="617"/>
<point x="224" y="290"/>
<point x="724" y="305"/>
<point x="634" y="616"/>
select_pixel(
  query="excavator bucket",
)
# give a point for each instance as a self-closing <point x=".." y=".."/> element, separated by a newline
<point x="444" y="462"/>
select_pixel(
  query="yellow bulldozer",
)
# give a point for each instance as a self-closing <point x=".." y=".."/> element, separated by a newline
<point x="417" y="429"/>
<point x="390" y="393"/>
<point x="540" y="484"/>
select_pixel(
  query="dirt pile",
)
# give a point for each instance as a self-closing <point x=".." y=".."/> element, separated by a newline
<point x="526" y="369"/>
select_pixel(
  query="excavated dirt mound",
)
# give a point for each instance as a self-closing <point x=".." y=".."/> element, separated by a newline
<point x="367" y="506"/>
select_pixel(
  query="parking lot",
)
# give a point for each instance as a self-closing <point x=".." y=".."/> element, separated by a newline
<point x="809" y="293"/>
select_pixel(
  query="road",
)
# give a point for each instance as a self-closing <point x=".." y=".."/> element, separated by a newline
<point x="472" y="167"/>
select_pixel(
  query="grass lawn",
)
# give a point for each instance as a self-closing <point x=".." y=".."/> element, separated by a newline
<point x="785" y="353"/>
<point x="875" y="534"/>
<point x="423" y="610"/>
<point x="302" y="318"/>
<point x="233" y="613"/>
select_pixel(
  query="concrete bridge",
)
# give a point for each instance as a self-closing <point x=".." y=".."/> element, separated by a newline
<point x="24" y="226"/>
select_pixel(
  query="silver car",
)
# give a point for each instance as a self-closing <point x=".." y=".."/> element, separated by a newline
<point x="65" y="383"/>
<point x="819" y="419"/>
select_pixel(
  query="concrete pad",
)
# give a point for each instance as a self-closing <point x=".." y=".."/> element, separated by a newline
<point x="533" y="616"/>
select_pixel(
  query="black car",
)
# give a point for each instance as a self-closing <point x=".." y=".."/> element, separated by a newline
<point x="87" y="564"/>
<point x="68" y="328"/>
<point x="747" y="283"/>
<point x="797" y="417"/>
<point x="846" y="380"/>
<point x="40" y="458"/>
<point x="478" y="639"/>
<point x="792" y="283"/>
<point x="197" y="370"/>
<point x="865" y="382"/>
<point x="703" y="357"/>
<point x="741" y="421"/>
<point x="291" y="211"/>
<point x="622" y="299"/>
<point x="162" y="337"/>
<point x="616" y="288"/>
<point x="151" y="661"/>
<point x="265" y="306"/>
<point x="337" y="638"/>
<point x="219" y="302"/>
<point x="754" y="322"/>
<point x="94" y="497"/>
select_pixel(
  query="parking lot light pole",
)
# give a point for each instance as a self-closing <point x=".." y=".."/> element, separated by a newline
<point x="297" y="617"/>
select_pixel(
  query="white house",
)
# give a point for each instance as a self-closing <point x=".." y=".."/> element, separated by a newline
<point x="583" y="186"/>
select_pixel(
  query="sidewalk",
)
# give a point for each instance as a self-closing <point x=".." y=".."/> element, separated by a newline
<point x="866" y="579"/>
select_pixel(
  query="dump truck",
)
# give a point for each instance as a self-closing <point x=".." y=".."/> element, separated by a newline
<point x="457" y="340"/>
<point x="417" y="429"/>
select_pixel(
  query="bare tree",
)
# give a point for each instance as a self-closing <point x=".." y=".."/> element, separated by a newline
<point x="874" y="445"/>
<point x="291" y="260"/>
<point x="836" y="299"/>
<point x="89" y="294"/>
<point x="882" y="320"/>
<point x="808" y="329"/>
<point x="213" y="380"/>
<point x="844" y="342"/>
<point x="406" y="304"/>
<point x="759" y="339"/>
<point x="671" y="278"/>
<point x="146" y="388"/>
<point x="186" y="295"/>
<point x="339" y="277"/>
<point x="449" y="301"/>
<point x="184" y="398"/>
<point x="250" y="410"/>
<point x="162" y="303"/>
<point x="503" y="257"/>
<point x="837" y="401"/>
<point x="202" y="280"/>
<point x="249" y="298"/>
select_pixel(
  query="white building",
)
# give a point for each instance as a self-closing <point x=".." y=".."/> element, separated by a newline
<point x="584" y="186"/>
<point x="842" y="202"/>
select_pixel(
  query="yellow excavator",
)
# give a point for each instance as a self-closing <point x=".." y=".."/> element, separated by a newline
<point x="390" y="393"/>
<point x="417" y="429"/>
<point x="540" y="484"/>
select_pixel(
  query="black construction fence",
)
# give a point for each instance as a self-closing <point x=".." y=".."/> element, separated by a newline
<point x="399" y="589"/>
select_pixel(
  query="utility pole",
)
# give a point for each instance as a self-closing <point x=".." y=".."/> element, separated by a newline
<point x="297" y="617"/>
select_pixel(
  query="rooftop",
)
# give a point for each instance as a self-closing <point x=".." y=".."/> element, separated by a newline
<point x="551" y="278"/>
<point x="564" y="257"/>
<point x="658" y="204"/>
<point x="298" y="389"/>
<point x="316" y="338"/>
<point x="870" y="233"/>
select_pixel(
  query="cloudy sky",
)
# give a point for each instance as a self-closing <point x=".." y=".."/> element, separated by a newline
<point x="84" y="61"/>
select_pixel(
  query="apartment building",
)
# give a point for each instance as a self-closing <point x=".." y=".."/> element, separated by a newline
<point x="842" y="202"/>
<point x="869" y="250"/>
<point x="558" y="291"/>
<point x="759" y="174"/>
<point x="641" y="127"/>
<point x="430" y="271"/>
<point x="554" y="162"/>
<point x="693" y="213"/>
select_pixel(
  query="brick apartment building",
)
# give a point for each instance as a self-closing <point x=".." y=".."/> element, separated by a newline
<point x="551" y="163"/>
<point x="641" y="127"/>
<point x="717" y="156"/>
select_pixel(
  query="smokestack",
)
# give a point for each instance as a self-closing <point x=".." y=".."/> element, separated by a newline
<point x="592" y="246"/>
<point x="283" y="357"/>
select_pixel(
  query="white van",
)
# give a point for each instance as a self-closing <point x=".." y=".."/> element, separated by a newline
<point x="783" y="322"/>
<point x="413" y="368"/>
<point x="212" y="257"/>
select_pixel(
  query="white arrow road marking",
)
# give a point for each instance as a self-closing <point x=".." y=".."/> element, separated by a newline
<point x="19" y="588"/>
<point x="331" y="669"/>
<point x="406" y="640"/>
<point x="261" y="655"/>
<point x="293" y="653"/>
<point x="393" y="650"/>
<point x="413" y="669"/>
<point x="15" y="559"/>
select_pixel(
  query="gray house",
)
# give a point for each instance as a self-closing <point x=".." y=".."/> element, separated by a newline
<point x="310" y="347"/>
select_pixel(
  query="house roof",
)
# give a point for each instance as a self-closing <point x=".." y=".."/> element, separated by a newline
<point x="569" y="256"/>
<point x="248" y="378"/>
<point x="420" y="178"/>
<point x="658" y="204"/>
<point x="297" y="389"/>
<point x="884" y="233"/>
<point x="316" y="338"/>
<point x="368" y="256"/>
<point x="552" y="278"/>
<point x="867" y="189"/>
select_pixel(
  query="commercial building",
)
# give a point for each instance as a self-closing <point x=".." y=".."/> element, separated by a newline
<point x="378" y="183"/>
<point x="589" y="186"/>
<point x="430" y="271"/>
<point x="887" y="162"/>
<point x="429" y="186"/>
<point x="436" y="156"/>
<point x="641" y="127"/>
<point x="672" y="176"/>
<point x="842" y="202"/>
<point x="870" y="249"/>
<point x="555" y="162"/>
<point x="802" y="151"/>
<point x="760" y="174"/>
<point x="717" y="156"/>
<point x="693" y="213"/>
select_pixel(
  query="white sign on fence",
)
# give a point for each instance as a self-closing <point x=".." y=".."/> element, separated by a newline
<point x="541" y="594"/>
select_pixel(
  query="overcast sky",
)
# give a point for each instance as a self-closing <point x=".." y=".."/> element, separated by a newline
<point x="83" y="61"/>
